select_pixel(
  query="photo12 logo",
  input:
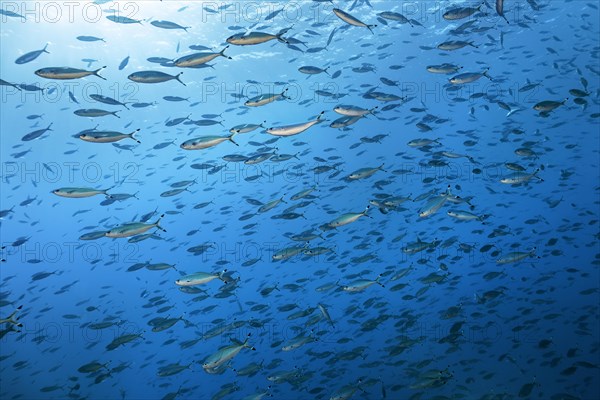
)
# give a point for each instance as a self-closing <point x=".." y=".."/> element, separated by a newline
<point x="65" y="11"/>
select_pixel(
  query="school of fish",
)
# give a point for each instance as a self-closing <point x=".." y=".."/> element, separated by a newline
<point x="329" y="229"/>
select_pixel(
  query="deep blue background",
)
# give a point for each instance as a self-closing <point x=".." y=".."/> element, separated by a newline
<point x="541" y="299"/>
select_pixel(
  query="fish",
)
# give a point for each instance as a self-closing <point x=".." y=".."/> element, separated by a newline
<point x="464" y="215"/>
<point x="172" y="369"/>
<point x="122" y="340"/>
<point x="253" y="38"/>
<point x="94" y="112"/>
<point x="266" y="98"/>
<point x="345" y="219"/>
<point x="107" y="100"/>
<point x="153" y="77"/>
<point x="454" y="45"/>
<point x="362" y="284"/>
<point x="124" y="63"/>
<point x="133" y="228"/>
<point x="79" y="192"/>
<point x="353" y="111"/>
<point x="107" y="136"/>
<point x="349" y="19"/>
<point x="205" y="142"/>
<point x="443" y="69"/>
<point x="500" y="9"/>
<point x="297" y="342"/>
<point x="287" y="252"/>
<point x="549" y="105"/>
<point x="516" y="256"/>
<point x="520" y="177"/>
<point x="245" y="128"/>
<point x="193" y="60"/>
<point x="32" y="55"/>
<point x="270" y="205"/>
<point x="72" y="97"/>
<point x="394" y="16"/>
<point x="294" y="129"/>
<point x="168" y="25"/>
<point x="469" y="77"/>
<point x="310" y="70"/>
<point x="325" y="314"/>
<point x="224" y="355"/>
<point x="199" y="278"/>
<point x="36" y="134"/>
<point x="90" y="39"/>
<point x="363" y="173"/>
<point x="122" y="20"/>
<point x="63" y="73"/>
<point x="92" y="367"/>
<point x="461" y="12"/>
<point x="344" y="121"/>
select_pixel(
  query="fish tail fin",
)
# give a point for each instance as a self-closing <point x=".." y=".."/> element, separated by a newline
<point x="325" y="70"/>
<point x="485" y="73"/>
<point x="45" y="47"/>
<point x="106" y="190"/>
<point x="281" y="38"/>
<point x="320" y="115"/>
<point x="132" y="133"/>
<point x="10" y="319"/>
<point x="125" y="105"/>
<point x="115" y="113"/>
<point x="283" y="94"/>
<point x="230" y="138"/>
<point x="98" y="70"/>
<point x="564" y="101"/>
<point x="371" y="26"/>
<point x="157" y="223"/>
<point x="366" y="210"/>
<point x="222" y="53"/>
<point x="179" y="80"/>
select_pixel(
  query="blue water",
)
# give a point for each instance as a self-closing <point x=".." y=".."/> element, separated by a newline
<point x="446" y="322"/>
